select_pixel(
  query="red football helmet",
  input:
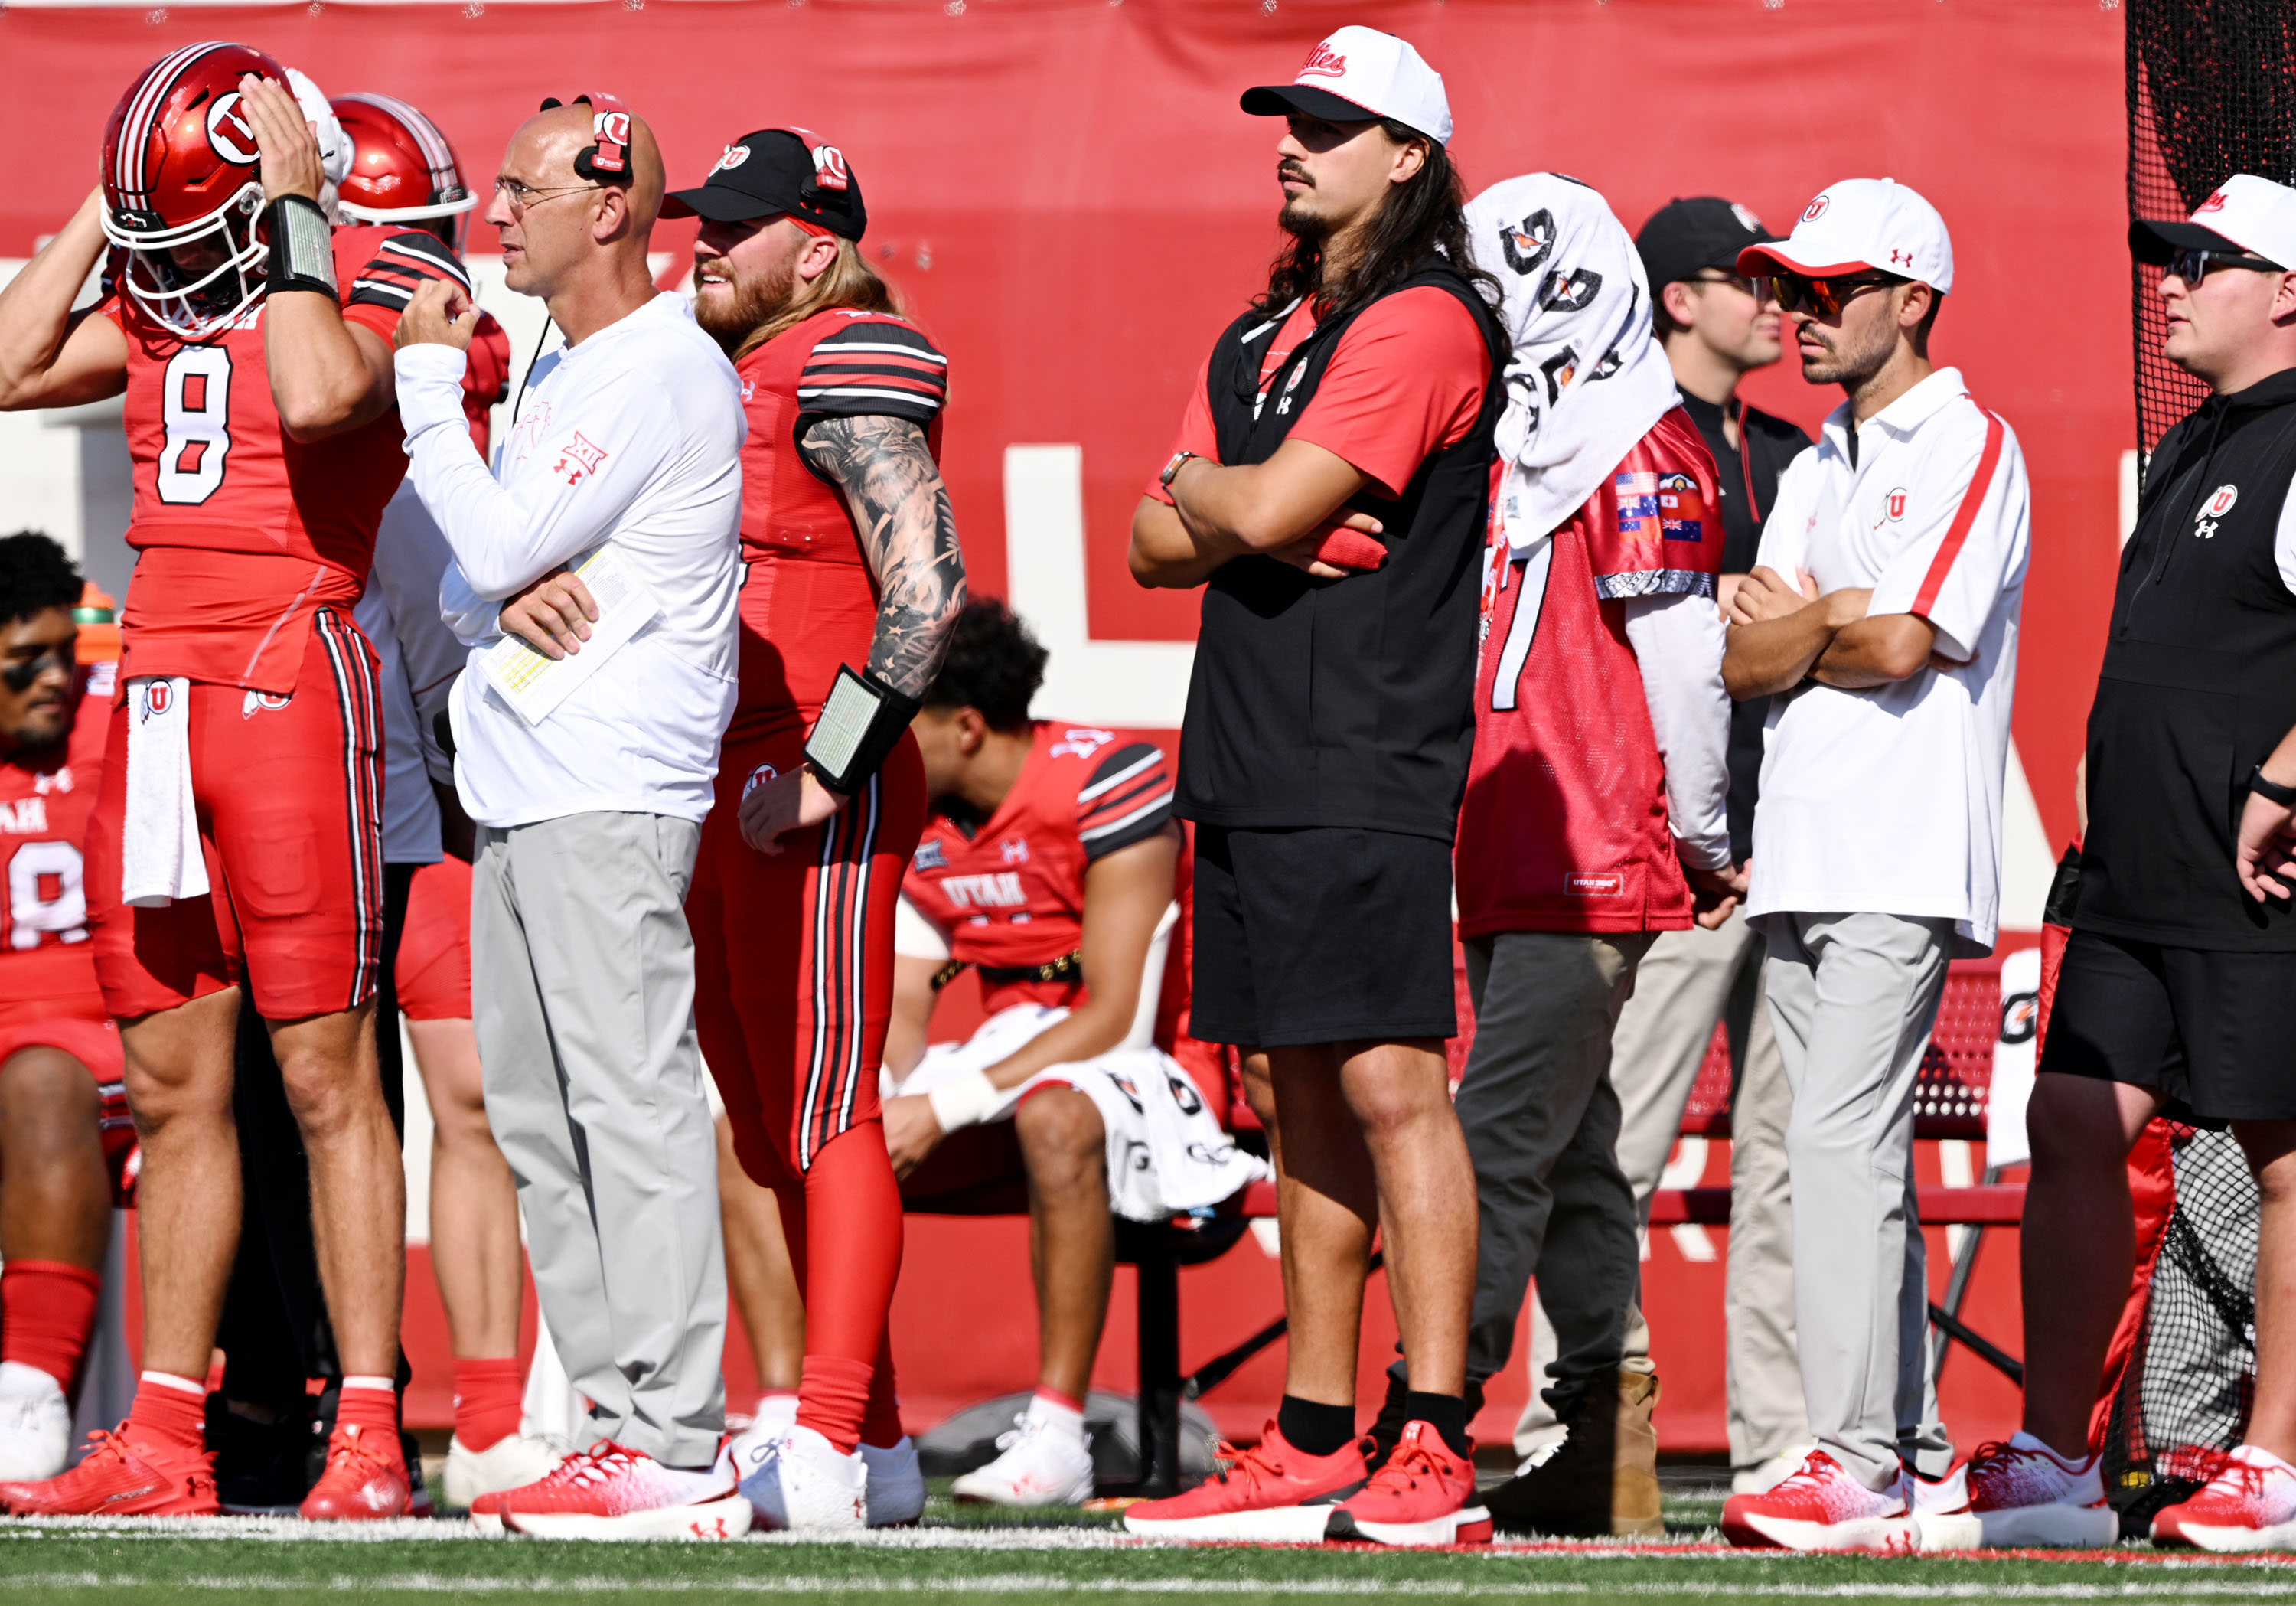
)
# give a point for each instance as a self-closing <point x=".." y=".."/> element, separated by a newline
<point x="403" y="170"/>
<point x="183" y="189"/>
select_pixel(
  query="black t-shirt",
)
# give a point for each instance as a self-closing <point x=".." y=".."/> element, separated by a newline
<point x="1749" y="484"/>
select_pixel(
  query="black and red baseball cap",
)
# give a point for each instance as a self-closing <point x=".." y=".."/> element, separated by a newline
<point x="776" y="172"/>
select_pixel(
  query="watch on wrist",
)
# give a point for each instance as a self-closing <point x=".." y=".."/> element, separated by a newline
<point x="2270" y="790"/>
<point x="1173" y="468"/>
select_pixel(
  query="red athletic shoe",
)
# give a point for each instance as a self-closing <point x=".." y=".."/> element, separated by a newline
<point x="1820" y="1507"/>
<point x="1273" y="1494"/>
<point x="365" y="1478"/>
<point x="121" y="1479"/>
<point x="606" y="1491"/>
<point x="1421" y="1494"/>
<point x="2250" y="1504"/>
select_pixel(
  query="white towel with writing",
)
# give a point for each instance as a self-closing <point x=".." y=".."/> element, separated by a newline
<point x="160" y="852"/>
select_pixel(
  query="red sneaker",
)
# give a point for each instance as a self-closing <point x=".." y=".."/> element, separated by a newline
<point x="609" y="1493"/>
<point x="486" y="1511"/>
<point x="2250" y="1504"/>
<point x="121" y="1479"/>
<point x="365" y="1478"/>
<point x="1273" y="1494"/>
<point x="1421" y="1494"/>
<point x="1819" y="1506"/>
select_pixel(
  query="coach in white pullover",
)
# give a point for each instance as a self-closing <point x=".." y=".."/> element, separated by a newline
<point x="582" y="966"/>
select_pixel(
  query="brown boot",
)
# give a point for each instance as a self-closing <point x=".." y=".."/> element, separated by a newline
<point x="1634" y="1476"/>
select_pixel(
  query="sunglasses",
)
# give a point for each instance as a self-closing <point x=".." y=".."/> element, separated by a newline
<point x="2192" y="264"/>
<point x="1824" y="297"/>
<point x="1759" y="288"/>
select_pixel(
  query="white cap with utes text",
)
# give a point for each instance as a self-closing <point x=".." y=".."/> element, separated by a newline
<point x="2249" y="214"/>
<point x="1858" y="223"/>
<point x="1358" y="73"/>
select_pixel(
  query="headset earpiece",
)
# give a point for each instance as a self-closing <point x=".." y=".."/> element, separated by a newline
<point x="829" y="169"/>
<point x="608" y="161"/>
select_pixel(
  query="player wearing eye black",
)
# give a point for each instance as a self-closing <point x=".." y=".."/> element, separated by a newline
<point x="250" y="338"/>
<point x="65" y="1136"/>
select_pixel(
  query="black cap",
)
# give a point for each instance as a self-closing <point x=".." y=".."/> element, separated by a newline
<point x="772" y="172"/>
<point x="1684" y="238"/>
<point x="2153" y="241"/>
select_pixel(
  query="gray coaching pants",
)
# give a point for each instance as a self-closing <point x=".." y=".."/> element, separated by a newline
<point x="1853" y="999"/>
<point x="1541" y="1120"/>
<point x="1686" y="982"/>
<point x="582" y="995"/>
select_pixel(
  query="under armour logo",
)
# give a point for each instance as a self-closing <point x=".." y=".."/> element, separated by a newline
<point x="1901" y="257"/>
<point x="715" y="1528"/>
<point x="2206" y="529"/>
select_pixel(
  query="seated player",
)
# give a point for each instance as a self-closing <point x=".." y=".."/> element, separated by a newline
<point x="1052" y="864"/>
<point x="65" y="1136"/>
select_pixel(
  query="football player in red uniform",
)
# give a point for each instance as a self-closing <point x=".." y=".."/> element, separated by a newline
<point x="854" y="579"/>
<point x="252" y="340"/>
<point x="65" y="1136"/>
<point x="1055" y="866"/>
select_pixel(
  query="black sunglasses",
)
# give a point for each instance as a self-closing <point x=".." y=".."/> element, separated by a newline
<point x="2190" y="264"/>
<point x="1825" y="295"/>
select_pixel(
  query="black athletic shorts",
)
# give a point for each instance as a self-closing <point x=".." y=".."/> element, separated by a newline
<point x="1321" y="934"/>
<point x="2211" y="1032"/>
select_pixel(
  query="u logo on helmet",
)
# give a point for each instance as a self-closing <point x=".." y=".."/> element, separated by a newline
<point x="228" y="133"/>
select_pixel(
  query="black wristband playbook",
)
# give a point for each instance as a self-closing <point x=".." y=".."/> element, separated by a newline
<point x="302" y="247"/>
<point x="859" y="723"/>
<point x="2270" y="791"/>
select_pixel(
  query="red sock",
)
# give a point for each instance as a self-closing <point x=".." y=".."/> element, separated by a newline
<point x="487" y="1406"/>
<point x="47" y="1310"/>
<point x="372" y="1403"/>
<point x="852" y="1240"/>
<point x="881" y="1421"/>
<point x="169" y="1410"/>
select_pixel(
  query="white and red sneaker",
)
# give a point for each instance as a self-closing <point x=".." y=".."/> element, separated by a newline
<point x="2250" y="1504"/>
<point x="2023" y="1493"/>
<point x="607" y="1492"/>
<point x="1423" y="1493"/>
<point x="121" y="1477"/>
<point x="1820" y="1507"/>
<point x="1272" y="1493"/>
<point x="365" y="1478"/>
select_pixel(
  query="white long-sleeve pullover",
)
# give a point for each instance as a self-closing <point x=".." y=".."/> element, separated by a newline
<point x="633" y="436"/>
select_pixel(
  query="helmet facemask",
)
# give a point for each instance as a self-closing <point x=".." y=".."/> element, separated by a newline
<point x="195" y="302"/>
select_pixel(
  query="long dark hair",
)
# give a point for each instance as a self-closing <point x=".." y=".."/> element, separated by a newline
<point x="1426" y="213"/>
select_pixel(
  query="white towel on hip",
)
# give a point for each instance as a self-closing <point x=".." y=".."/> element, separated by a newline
<point x="160" y="859"/>
<point x="1167" y="1152"/>
<point x="1587" y="378"/>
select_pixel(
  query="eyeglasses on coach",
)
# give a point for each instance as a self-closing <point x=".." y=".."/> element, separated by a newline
<point x="2192" y="264"/>
<point x="1823" y="296"/>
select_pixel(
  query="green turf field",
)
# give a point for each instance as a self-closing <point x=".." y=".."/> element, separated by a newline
<point x="957" y="1557"/>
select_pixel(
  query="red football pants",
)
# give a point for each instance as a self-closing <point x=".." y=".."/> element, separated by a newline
<point x="289" y="791"/>
<point x="794" y="991"/>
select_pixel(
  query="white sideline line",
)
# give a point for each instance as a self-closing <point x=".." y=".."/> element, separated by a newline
<point x="1038" y="1584"/>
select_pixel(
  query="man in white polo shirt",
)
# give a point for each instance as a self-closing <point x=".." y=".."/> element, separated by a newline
<point x="1881" y="614"/>
<point x="623" y="465"/>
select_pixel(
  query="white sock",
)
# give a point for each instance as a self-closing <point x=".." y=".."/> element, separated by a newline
<point x="776" y="1414"/>
<point x="1057" y="1416"/>
<point x="168" y="1380"/>
<point x="21" y="1380"/>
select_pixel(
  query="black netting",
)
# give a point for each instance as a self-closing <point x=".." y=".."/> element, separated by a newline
<point x="2184" y="1397"/>
<point x="2211" y="93"/>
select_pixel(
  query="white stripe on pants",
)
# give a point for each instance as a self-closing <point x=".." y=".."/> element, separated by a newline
<point x="1853" y="999"/>
<point x="582" y="994"/>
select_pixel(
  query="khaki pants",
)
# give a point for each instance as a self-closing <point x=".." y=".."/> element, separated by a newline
<point x="1686" y="982"/>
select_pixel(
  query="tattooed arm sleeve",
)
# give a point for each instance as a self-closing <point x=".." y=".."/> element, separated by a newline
<point x="908" y="535"/>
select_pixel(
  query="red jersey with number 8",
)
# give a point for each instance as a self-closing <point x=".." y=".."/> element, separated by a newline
<point x="243" y="531"/>
<point x="47" y="965"/>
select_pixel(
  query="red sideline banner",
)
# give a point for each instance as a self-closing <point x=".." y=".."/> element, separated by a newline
<point x="1068" y="197"/>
